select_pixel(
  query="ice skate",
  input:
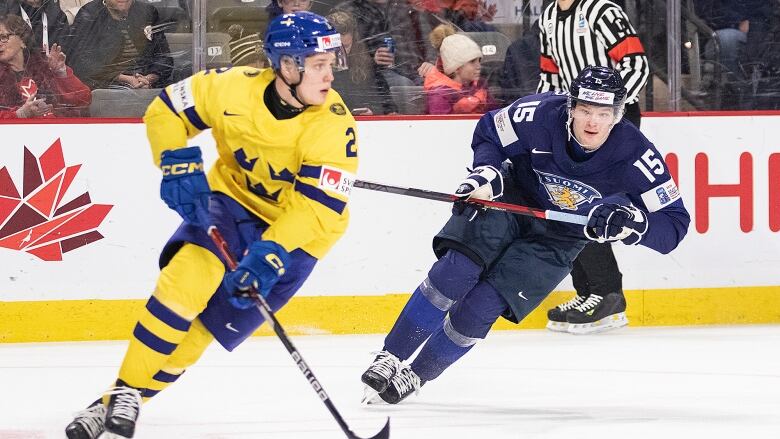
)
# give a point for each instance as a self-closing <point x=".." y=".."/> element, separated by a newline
<point x="404" y="383"/>
<point x="88" y="423"/>
<point x="598" y="314"/>
<point x="123" y="410"/>
<point x="556" y="317"/>
<point x="378" y="375"/>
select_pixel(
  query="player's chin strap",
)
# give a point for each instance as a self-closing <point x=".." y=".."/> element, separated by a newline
<point x="294" y="88"/>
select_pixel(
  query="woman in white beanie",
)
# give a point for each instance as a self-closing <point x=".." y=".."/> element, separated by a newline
<point x="458" y="89"/>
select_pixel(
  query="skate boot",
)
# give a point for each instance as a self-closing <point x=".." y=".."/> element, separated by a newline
<point x="88" y="423"/>
<point x="598" y="314"/>
<point x="123" y="410"/>
<point x="556" y="317"/>
<point x="404" y="383"/>
<point x="381" y="371"/>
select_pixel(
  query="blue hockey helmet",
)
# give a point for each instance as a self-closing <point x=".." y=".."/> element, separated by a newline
<point x="600" y="86"/>
<point x="300" y="35"/>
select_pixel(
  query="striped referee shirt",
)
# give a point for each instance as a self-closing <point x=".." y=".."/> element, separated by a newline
<point x="590" y="33"/>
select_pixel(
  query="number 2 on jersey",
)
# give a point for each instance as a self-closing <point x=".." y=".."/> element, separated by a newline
<point x="351" y="149"/>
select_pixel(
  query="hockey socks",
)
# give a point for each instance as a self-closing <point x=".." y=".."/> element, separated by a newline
<point x="449" y="279"/>
<point x="469" y="321"/>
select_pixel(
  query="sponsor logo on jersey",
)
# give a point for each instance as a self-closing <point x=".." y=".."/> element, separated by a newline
<point x="566" y="193"/>
<point x="661" y="196"/>
<point x="329" y="41"/>
<point x="506" y="133"/>
<point x="338" y="109"/>
<point x="596" y="96"/>
<point x="582" y="25"/>
<point x="336" y="180"/>
<point x="181" y="95"/>
<point x="43" y="220"/>
<point x="251" y="73"/>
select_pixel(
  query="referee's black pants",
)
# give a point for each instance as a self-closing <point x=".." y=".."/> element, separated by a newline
<point x="595" y="270"/>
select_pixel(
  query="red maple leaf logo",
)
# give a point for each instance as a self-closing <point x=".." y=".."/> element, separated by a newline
<point x="35" y="222"/>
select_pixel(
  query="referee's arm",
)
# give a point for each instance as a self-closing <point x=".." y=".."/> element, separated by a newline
<point x="625" y="50"/>
<point x="549" y="77"/>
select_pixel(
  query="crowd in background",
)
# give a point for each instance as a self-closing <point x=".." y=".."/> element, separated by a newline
<point x="405" y="56"/>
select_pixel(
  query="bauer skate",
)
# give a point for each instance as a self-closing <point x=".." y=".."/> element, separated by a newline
<point x="404" y="383"/>
<point x="378" y="375"/>
<point x="88" y="423"/>
<point x="123" y="410"/>
<point x="556" y="317"/>
<point x="598" y="314"/>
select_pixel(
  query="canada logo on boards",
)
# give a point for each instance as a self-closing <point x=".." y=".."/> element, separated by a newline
<point x="42" y="220"/>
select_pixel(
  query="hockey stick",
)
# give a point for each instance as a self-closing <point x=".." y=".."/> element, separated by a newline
<point x="269" y="316"/>
<point x="495" y="205"/>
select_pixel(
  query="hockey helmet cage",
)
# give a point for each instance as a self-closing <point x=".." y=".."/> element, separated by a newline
<point x="302" y="34"/>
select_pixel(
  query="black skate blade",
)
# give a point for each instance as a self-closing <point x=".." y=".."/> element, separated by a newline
<point x="384" y="433"/>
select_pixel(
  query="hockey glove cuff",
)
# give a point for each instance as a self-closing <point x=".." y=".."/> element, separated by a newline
<point x="261" y="267"/>
<point x="614" y="222"/>
<point x="184" y="187"/>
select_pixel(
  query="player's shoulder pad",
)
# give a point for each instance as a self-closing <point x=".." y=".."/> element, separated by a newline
<point x="332" y="111"/>
<point x="528" y="111"/>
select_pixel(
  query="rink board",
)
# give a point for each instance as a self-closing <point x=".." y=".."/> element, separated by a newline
<point x="725" y="271"/>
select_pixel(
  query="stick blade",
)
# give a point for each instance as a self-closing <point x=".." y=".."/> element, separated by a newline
<point x="384" y="433"/>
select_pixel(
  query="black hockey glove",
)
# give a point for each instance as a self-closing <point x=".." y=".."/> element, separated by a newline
<point x="613" y="222"/>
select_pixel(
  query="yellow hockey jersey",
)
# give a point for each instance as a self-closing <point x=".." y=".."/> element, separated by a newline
<point x="295" y="174"/>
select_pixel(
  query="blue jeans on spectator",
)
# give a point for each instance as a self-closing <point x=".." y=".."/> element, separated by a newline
<point x="732" y="46"/>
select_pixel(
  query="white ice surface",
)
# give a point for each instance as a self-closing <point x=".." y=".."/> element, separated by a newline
<point x="660" y="383"/>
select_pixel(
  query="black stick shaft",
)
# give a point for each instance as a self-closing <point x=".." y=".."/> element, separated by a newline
<point x="270" y="317"/>
<point x="496" y="205"/>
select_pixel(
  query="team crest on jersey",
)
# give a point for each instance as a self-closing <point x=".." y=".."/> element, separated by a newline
<point x="338" y="109"/>
<point x="566" y="193"/>
<point x="251" y="73"/>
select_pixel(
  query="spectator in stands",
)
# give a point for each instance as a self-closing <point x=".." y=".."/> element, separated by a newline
<point x="762" y="61"/>
<point x="520" y="74"/>
<point x="408" y="22"/>
<point x="471" y="15"/>
<point x="246" y="50"/>
<point x="120" y="43"/>
<point x="436" y="37"/>
<point x="279" y="7"/>
<point x="731" y="21"/>
<point x="40" y="14"/>
<point x="33" y="84"/>
<point x="458" y="88"/>
<point x="364" y="92"/>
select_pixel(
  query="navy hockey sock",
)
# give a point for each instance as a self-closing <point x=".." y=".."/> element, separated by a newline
<point x="439" y="353"/>
<point x="469" y="321"/>
<point x="450" y="278"/>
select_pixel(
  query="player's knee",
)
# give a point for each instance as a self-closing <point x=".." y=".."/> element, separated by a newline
<point x="450" y="278"/>
<point x="190" y="279"/>
<point x="472" y="318"/>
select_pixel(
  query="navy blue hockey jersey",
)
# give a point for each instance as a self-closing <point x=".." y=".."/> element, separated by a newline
<point x="627" y="168"/>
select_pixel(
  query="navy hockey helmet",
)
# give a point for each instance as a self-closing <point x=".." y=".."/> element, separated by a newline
<point x="300" y="35"/>
<point x="600" y="86"/>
